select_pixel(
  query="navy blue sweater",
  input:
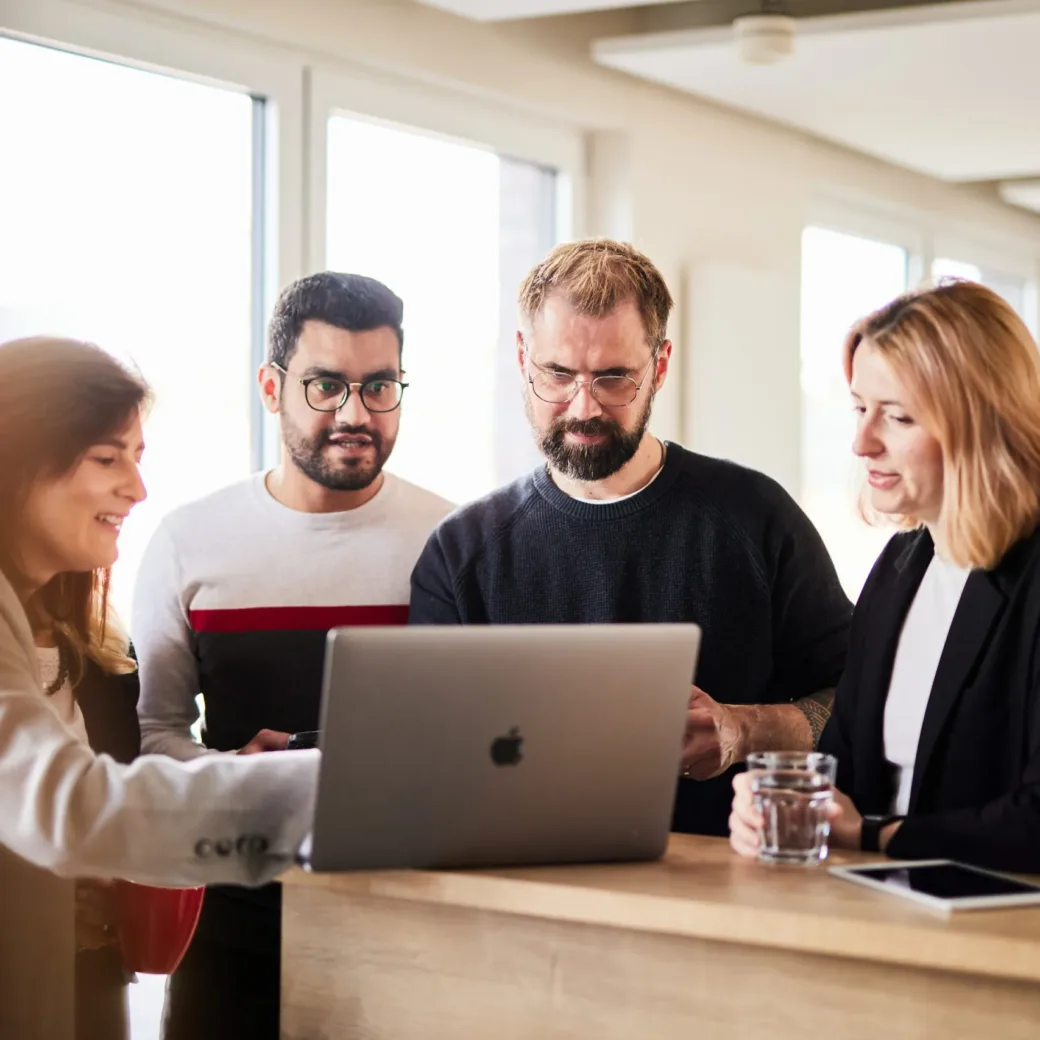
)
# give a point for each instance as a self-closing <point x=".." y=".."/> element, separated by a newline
<point x="707" y="541"/>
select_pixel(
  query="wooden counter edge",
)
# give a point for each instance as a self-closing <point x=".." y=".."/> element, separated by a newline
<point x="881" y="941"/>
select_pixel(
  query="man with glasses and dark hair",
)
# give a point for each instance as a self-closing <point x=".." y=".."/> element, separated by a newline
<point x="619" y="526"/>
<point x="237" y="591"/>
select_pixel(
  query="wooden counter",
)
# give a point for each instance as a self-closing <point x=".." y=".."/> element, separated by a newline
<point x="700" y="945"/>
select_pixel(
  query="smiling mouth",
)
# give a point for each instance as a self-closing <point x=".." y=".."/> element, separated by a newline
<point x="350" y="444"/>
<point x="113" y="520"/>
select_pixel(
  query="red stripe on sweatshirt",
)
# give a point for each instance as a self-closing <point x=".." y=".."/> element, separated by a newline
<point x="283" y="619"/>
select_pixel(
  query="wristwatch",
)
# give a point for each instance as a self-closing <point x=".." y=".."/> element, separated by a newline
<point x="303" y="739"/>
<point x="870" y="835"/>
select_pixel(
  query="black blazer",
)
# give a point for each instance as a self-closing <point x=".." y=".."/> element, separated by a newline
<point x="976" y="786"/>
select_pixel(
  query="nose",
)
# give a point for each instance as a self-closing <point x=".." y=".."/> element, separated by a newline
<point x="865" y="442"/>
<point x="353" y="411"/>
<point x="583" y="405"/>
<point x="135" y="489"/>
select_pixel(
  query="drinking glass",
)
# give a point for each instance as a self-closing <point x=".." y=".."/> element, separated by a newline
<point x="793" y="791"/>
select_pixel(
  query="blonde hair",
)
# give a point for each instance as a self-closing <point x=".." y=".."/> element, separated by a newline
<point x="974" y="370"/>
<point x="595" y="275"/>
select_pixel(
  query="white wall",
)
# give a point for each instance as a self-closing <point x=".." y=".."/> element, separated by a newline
<point x="717" y="199"/>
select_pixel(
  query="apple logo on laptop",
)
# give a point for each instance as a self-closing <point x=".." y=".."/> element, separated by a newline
<point x="505" y="751"/>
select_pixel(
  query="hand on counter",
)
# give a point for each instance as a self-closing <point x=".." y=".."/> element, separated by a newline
<point x="266" y="740"/>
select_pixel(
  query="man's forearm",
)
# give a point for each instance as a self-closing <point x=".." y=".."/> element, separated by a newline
<point x="783" y="727"/>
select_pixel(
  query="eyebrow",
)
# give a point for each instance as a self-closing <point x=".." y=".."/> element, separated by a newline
<point x="896" y="404"/>
<point x="618" y="370"/>
<point x="317" y="372"/>
<point x="116" y="442"/>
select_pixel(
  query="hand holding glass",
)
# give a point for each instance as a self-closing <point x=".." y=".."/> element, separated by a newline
<point x="793" y="791"/>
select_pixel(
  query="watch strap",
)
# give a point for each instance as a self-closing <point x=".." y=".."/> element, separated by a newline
<point x="870" y="833"/>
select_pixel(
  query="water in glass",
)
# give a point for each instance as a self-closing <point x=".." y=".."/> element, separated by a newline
<point x="793" y="792"/>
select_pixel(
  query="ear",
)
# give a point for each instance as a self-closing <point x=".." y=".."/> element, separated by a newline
<point x="270" y="381"/>
<point x="521" y="351"/>
<point x="664" y="359"/>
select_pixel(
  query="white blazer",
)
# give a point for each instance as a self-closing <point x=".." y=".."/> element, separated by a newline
<point x="65" y="811"/>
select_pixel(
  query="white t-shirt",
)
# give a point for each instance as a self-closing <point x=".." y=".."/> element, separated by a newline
<point x="921" y="645"/>
<point x="620" y="498"/>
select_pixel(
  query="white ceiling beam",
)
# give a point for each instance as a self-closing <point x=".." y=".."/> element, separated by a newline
<point x="502" y="10"/>
<point x="1024" y="194"/>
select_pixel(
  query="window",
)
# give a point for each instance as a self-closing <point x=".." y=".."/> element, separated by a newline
<point x="1014" y="289"/>
<point x="452" y="228"/>
<point x="126" y="202"/>
<point x="844" y="277"/>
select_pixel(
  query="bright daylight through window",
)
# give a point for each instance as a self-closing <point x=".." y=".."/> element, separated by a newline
<point x="452" y="228"/>
<point x="131" y="227"/>
<point x="843" y="278"/>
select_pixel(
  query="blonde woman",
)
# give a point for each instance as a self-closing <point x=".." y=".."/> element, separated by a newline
<point x="70" y="447"/>
<point x="936" y="724"/>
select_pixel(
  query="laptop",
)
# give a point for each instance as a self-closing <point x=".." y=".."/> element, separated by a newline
<point x="481" y="746"/>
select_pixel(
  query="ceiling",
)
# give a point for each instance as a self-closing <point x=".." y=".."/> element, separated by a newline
<point x="951" y="90"/>
<point x="501" y="10"/>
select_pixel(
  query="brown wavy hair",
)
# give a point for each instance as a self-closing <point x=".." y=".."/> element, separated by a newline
<point x="58" y="398"/>
<point x="974" y="370"/>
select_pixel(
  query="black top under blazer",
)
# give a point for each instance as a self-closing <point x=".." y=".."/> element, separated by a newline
<point x="975" y="795"/>
<point x="109" y="706"/>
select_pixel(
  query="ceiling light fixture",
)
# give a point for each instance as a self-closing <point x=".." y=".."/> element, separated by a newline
<point x="766" y="38"/>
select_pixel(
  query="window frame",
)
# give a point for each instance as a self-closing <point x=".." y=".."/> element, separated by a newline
<point x="435" y="111"/>
<point x="926" y="236"/>
<point x="1003" y="260"/>
<point x="154" y="43"/>
<point x="440" y="112"/>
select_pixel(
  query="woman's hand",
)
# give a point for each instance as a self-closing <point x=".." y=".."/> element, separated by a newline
<point x="846" y="823"/>
<point x="745" y="821"/>
<point x="96" y="915"/>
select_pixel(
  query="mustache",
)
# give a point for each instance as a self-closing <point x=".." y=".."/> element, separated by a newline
<point x="594" y="427"/>
<point x="357" y="431"/>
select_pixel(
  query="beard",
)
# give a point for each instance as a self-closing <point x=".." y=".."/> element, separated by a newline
<point x="310" y="456"/>
<point x="590" y="462"/>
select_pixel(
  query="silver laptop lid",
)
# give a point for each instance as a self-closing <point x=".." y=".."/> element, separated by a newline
<point x="499" y="745"/>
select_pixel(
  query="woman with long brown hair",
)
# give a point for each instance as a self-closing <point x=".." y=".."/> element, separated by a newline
<point x="85" y="660"/>
<point x="936" y="723"/>
<point x="70" y="445"/>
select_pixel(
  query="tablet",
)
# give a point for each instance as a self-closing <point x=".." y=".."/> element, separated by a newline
<point x="942" y="884"/>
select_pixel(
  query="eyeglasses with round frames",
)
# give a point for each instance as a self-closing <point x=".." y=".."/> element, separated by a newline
<point x="561" y="387"/>
<point x="328" y="394"/>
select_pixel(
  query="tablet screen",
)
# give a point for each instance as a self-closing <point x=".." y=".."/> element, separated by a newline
<point x="948" y="881"/>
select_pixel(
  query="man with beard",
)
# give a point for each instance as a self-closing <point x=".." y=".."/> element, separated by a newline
<point x="621" y="527"/>
<point x="237" y="592"/>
